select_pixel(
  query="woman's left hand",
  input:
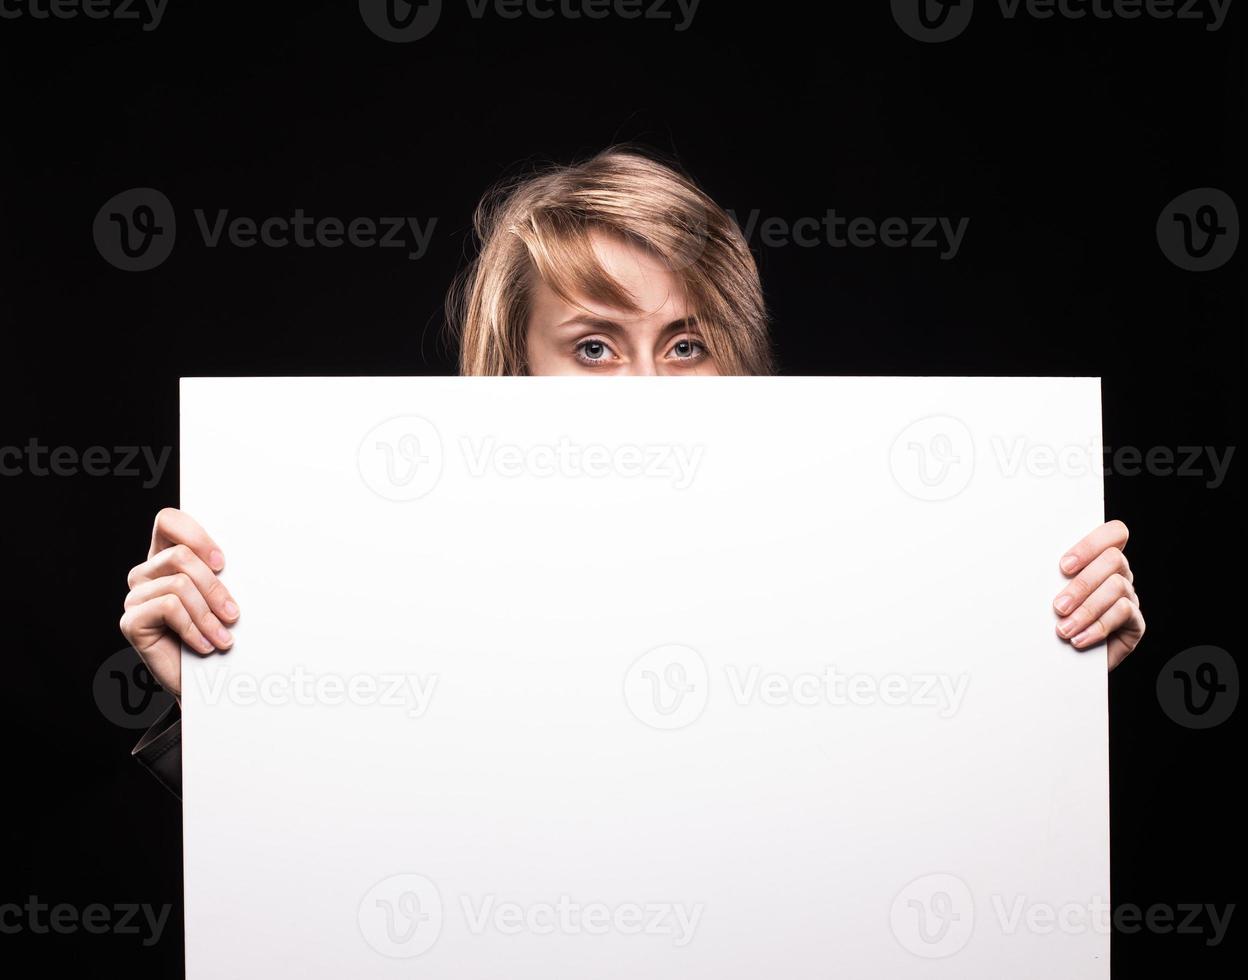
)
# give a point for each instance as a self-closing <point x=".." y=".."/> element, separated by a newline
<point x="1099" y="602"/>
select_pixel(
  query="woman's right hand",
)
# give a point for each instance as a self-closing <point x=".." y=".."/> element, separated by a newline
<point x="175" y="597"/>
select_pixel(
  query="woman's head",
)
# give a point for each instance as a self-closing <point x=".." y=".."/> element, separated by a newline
<point x="617" y="265"/>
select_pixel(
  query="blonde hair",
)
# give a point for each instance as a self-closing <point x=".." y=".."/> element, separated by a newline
<point x="540" y="225"/>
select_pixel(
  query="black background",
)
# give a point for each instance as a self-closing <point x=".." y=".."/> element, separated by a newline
<point x="1061" y="140"/>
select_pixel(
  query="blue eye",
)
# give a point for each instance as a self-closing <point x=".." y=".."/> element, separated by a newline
<point x="687" y="350"/>
<point x="593" y="352"/>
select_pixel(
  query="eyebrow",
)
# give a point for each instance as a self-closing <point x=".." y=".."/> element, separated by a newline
<point x="611" y="327"/>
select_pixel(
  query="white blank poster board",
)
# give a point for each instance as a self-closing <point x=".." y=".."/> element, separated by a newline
<point x="645" y="678"/>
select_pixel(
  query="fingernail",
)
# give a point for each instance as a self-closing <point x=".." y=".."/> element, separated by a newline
<point x="1082" y="637"/>
<point x="224" y="639"/>
<point x="204" y="644"/>
<point x="217" y="561"/>
<point x="1066" y="627"/>
<point x="231" y="609"/>
<point x="1064" y="604"/>
<point x="1069" y="563"/>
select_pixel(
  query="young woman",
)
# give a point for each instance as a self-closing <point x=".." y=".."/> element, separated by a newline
<point x="617" y="265"/>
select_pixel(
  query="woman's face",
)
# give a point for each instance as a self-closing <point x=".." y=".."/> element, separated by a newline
<point x="590" y="338"/>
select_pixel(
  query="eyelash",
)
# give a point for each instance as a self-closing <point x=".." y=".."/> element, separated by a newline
<point x="591" y="361"/>
<point x="700" y="351"/>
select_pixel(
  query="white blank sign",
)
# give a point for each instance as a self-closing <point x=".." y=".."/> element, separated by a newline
<point x="663" y="678"/>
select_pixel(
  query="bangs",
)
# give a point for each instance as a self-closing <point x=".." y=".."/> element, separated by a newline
<point x="562" y="254"/>
<point x="541" y="228"/>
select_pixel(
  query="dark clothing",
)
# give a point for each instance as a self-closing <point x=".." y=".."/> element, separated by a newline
<point x="160" y="750"/>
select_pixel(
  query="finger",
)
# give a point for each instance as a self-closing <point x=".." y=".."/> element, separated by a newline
<point x="1123" y="613"/>
<point x="176" y="527"/>
<point x="193" y="602"/>
<point x="151" y="618"/>
<point x="180" y="559"/>
<point x="1111" y="535"/>
<point x="1107" y="593"/>
<point x="1124" y="641"/>
<point x="1109" y="562"/>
